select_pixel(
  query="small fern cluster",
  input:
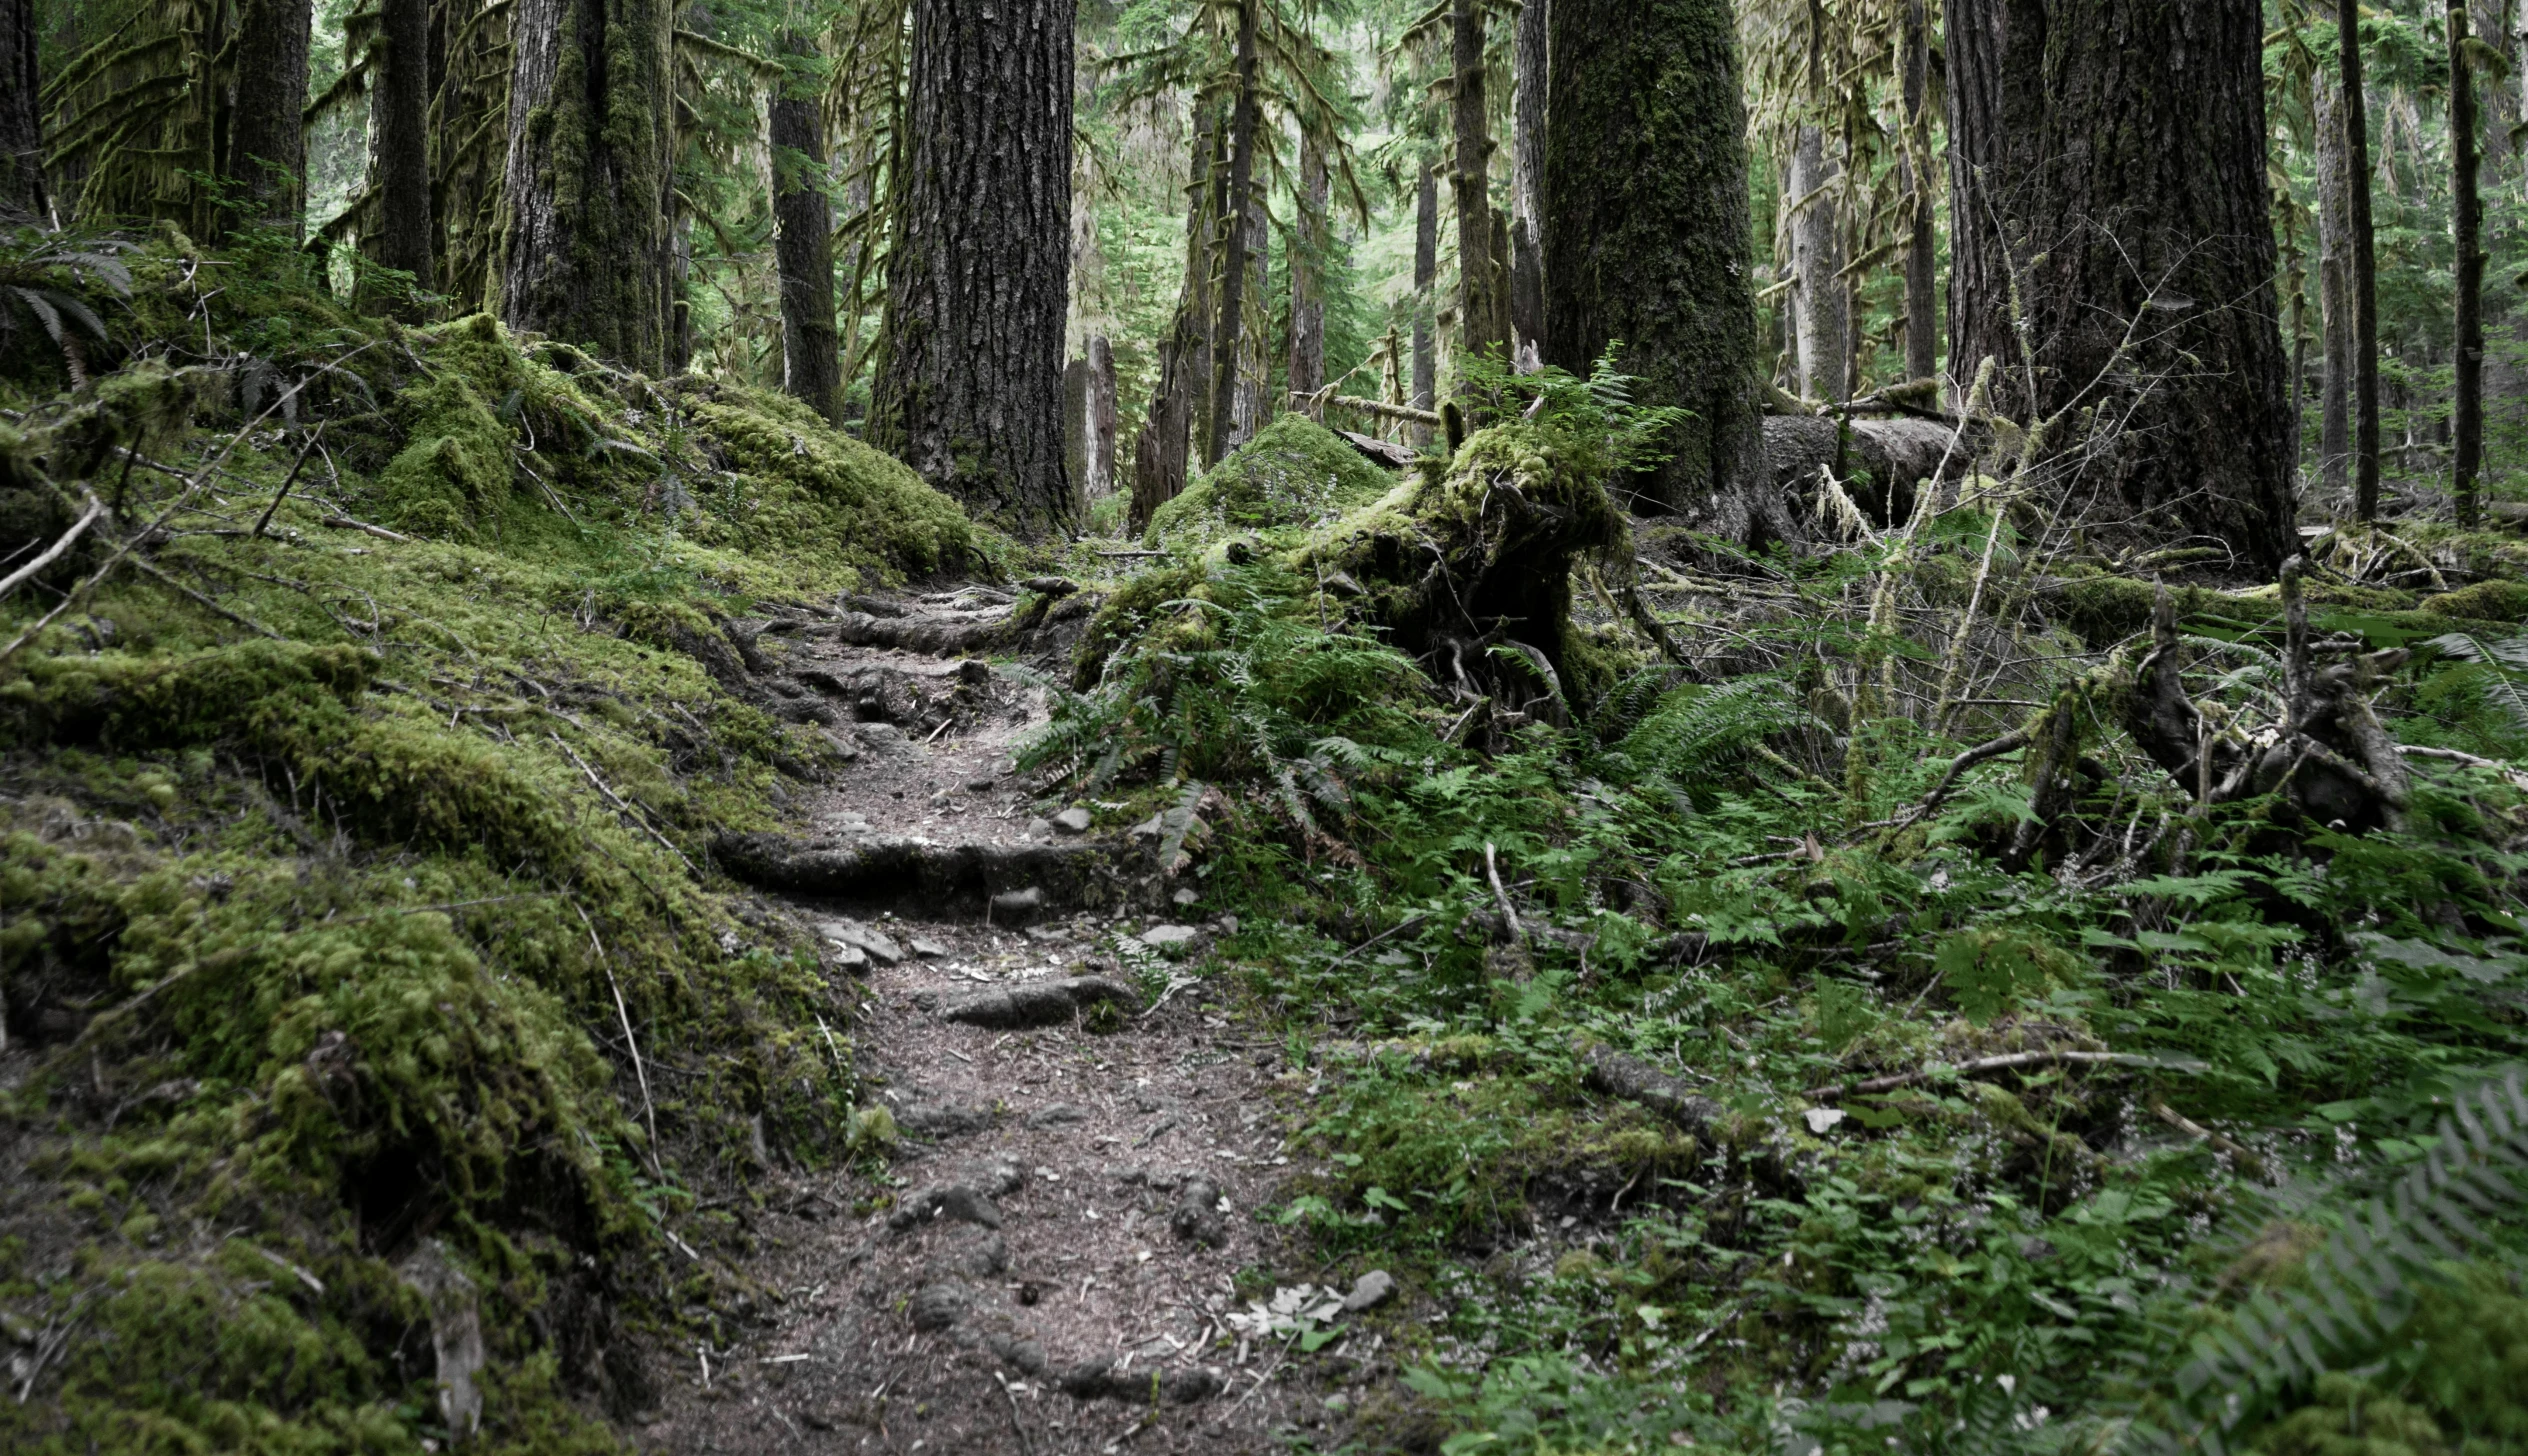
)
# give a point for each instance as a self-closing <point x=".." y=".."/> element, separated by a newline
<point x="2357" y="1291"/>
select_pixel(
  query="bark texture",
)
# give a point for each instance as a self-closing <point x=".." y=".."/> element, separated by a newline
<point x="585" y="245"/>
<point x="1163" y="449"/>
<point x="1307" y="272"/>
<point x="1646" y="238"/>
<point x="803" y="245"/>
<point x="2467" y="233"/>
<point x="1922" y="253"/>
<point x="969" y="385"/>
<point x="1483" y="308"/>
<point x="1426" y="278"/>
<point x="399" y="115"/>
<point x="21" y="127"/>
<point x="1101" y="419"/>
<point x="267" y="145"/>
<point x="1229" y="333"/>
<point x="2334" y="432"/>
<point x="2361" y="276"/>
<point x="1527" y="173"/>
<point x="1821" y="302"/>
<point x="2130" y="187"/>
<point x="1249" y="409"/>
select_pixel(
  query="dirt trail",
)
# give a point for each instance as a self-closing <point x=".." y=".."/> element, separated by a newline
<point x="1077" y="1179"/>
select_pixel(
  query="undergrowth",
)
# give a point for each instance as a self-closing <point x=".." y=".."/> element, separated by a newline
<point x="351" y="831"/>
<point x="2120" y="1089"/>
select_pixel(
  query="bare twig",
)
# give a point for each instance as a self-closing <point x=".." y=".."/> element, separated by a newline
<point x="628" y="811"/>
<point x="288" y="480"/>
<point x="53" y="553"/>
<point x="649" y="1111"/>
<point x="1492" y="872"/>
<point x="250" y="624"/>
<point x="380" y="532"/>
<point x="1012" y="1398"/>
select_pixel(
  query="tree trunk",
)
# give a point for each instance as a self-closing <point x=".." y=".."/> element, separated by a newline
<point x="803" y="241"/>
<point x="1162" y="450"/>
<point x="1922" y="253"/>
<point x="1075" y="446"/>
<point x="1426" y="278"/>
<point x="1821" y="306"/>
<point x="2136" y="212"/>
<point x="1996" y="107"/>
<point x="680" y="294"/>
<point x="1647" y="237"/>
<point x="1483" y="314"/>
<point x="21" y="125"/>
<point x="2363" y="279"/>
<point x="1306" y="262"/>
<point x="1101" y="418"/>
<point x="969" y="384"/>
<point x="1527" y="168"/>
<point x="267" y="145"/>
<point x="584" y="248"/>
<point x="2468" y="230"/>
<point x="1228" y="334"/>
<point x="2334" y="431"/>
<point x="1249" y="410"/>
<point x="399" y="113"/>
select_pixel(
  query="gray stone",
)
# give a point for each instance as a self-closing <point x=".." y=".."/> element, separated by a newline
<point x="1184" y="897"/>
<point x="1369" y="1291"/>
<point x="988" y="1258"/>
<point x="1073" y="821"/>
<point x="1037" y="1003"/>
<point x="1059" y="1114"/>
<point x="1023" y="1355"/>
<point x="1016" y="907"/>
<point x="1172" y="938"/>
<point x="943" y="1119"/>
<point x="938" y="1306"/>
<point x="960" y="1201"/>
<point x="927" y="949"/>
<point x="850" y="957"/>
<point x="1197" y="1216"/>
<point x="1039" y="827"/>
<point x="860" y="937"/>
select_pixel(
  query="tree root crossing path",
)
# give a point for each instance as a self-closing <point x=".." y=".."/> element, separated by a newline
<point x="1045" y="1261"/>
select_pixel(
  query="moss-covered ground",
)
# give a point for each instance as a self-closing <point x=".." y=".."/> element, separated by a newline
<point x="352" y="849"/>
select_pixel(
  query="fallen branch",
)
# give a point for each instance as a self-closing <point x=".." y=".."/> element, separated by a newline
<point x="1980" y="753"/>
<point x="1634" y="1080"/>
<point x="627" y="810"/>
<point x="1389" y="411"/>
<point x="1983" y="1065"/>
<point x="288" y="480"/>
<point x="2247" y="1159"/>
<point x="648" y="1110"/>
<point x="53" y="553"/>
<point x="380" y="532"/>
<point x="249" y="623"/>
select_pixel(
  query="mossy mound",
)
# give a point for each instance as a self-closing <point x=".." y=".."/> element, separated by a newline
<point x="2486" y="601"/>
<point x="1294" y="473"/>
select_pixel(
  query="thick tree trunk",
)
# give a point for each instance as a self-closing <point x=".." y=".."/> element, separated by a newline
<point x="1483" y="312"/>
<point x="1229" y="333"/>
<point x="267" y="145"/>
<point x="1101" y="419"/>
<point x="584" y="247"/>
<point x="2135" y="209"/>
<point x="1821" y="304"/>
<point x="2468" y="232"/>
<point x="1996" y="107"/>
<point x="1075" y="446"/>
<point x="399" y="113"/>
<point x="680" y="294"/>
<point x="1646" y="238"/>
<point x="1307" y="273"/>
<point x="1163" y="449"/>
<point x="803" y="243"/>
<point x="969" y="388"/>
<point x="1426" y="278"/>
<point x="21" y="125"/>
<point x="2334" y="430"/>
<point x="1922" y="253"/>
<point x="2363" y="277"/>
<point x="1527" y="170"/>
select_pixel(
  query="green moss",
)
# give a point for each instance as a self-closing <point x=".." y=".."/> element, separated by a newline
<point x="2486" y="601"/>
<point x="813" y="495"/>
<point x="1294" y="473"/>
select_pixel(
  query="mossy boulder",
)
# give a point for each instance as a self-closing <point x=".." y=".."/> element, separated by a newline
<point x="2486" y="601"/>
<point x="1294" y="473"/>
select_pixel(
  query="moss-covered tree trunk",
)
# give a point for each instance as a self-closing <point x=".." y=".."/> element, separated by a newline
<point x="2467" y="231"/>
<point x="266" y="160"/>
<point x="1647" y="239"/>
<point x="1527" y="174"/>
<point x="2130" y="187"/>
<point x="399" y="118"/>
<point x="21" y="130"/>
<point x="2334" y="431"/>
<point x="1306" y="264"/>
<point x="584" y="250"/>
<point x="1228" y="334"/>
<point x="1162" y="450"/>
<point x="1483" y="305"/>
<point x="2361" y="268"/>
<point x="1426" y="278"/>
<point x="969" y="382"/>
<point x="803" y="239"/>
<point x="1821" y="299"/>
<point x="1922" y="253"/>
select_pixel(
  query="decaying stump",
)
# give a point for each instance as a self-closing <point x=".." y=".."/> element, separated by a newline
<point x="2329" y="758"/>
<point x="1479" y="557"/>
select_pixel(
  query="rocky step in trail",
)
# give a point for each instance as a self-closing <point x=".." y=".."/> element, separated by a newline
<point x="1080" y="1159"/>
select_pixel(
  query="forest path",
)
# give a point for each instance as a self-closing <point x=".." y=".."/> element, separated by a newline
<point x="1075" y="1187"/>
